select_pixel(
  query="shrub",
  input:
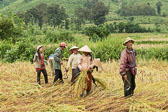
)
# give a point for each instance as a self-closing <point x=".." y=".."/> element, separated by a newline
<point x="53" y="36"/>
<point x="6" y="28"/>
<point x="97" y="32"/>
<point x="22" y="50"/>
<point x="4" y="47"/>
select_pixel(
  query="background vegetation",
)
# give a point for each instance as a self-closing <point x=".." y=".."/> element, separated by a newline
<point x="102" y="25"/>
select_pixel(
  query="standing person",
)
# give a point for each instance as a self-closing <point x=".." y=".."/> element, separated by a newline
<point x="128" y="67"/>
<point x="39" y="64"/>
<point x="86" y="64"/>
<point x="74" y="59"/>
<point x="58" y="62"/>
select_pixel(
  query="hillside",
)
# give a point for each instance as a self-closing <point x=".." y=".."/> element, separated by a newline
<point x="70" y="5"/>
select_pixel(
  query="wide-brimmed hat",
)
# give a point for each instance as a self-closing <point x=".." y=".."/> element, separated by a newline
<point x="74" y="47"/>
<point x="128" y="39"/>
<point x="39" y="47"/>
<point x="85" y="49"/>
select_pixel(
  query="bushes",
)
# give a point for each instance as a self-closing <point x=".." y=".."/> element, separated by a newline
<point x="22" y="50"/>
<point x="53" y="36"/>
<point x="106" y="49"/>
<point x="136" y="10"/>
<point x="97" y="32"/>
<point x="6" y="28"/>
<point x="157" y="53"/>
<point x="4" y="47"/>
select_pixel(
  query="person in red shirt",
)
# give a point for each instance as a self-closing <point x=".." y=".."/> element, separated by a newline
<point x="39" y="64"/>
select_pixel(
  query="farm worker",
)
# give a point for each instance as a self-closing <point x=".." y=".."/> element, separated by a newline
<point x="58" y="62"/>
<point x="128" y="67"/>
<point x="74" y="59"/>
<point x="39" y="63"/>
<point x="86" y="64"/>
<point x="51" y="58"/>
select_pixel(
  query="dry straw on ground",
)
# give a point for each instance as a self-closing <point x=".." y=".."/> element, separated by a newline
<point x="19" y="91"/>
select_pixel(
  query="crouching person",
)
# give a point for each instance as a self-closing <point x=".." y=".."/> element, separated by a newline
<point x="58" y="62"/>
<point x="128" y="67"/>
<point x="39" y="64"/>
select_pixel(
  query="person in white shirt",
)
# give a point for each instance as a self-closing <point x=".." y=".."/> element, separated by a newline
<point x="74" y="59"/>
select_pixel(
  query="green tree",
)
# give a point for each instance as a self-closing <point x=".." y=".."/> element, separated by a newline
<point x="29" y="17"/>
<point x="99" y="12"/>
<point x="67" y="24"/>
<point x="27" y="0"/>
<point x="136" y="10"/>
<point x="56" y="15"/>
<point x="80" y="17"/>
<point x="121" y="27"/>
<point x="40" y="13"/>
<point x="36" y="15"/>
<point x="90" y="3"/>
<point x="159" y="5"/>
<point x="6" y="28"/>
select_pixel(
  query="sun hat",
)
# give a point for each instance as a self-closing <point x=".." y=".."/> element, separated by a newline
<point x="85" y="49"/>
<point x="127" y="40"/>
<point x="39" y="47"/>
<point x="74" y="47"/>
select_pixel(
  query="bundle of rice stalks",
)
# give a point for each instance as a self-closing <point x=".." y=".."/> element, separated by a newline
<point x="101" y="83"/>
<point x="81" y="85"/>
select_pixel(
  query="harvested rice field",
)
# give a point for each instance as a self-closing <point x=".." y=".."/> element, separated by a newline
<point x="19" y="91"/>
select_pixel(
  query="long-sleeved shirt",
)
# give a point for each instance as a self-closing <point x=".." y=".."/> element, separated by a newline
<point x="85" y="62"/>
<point x="57" y="59"/>
<point x="74" y="59"/>
<point x="127" y="60"/>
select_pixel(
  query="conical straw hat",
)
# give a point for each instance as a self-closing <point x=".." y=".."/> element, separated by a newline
<point x="85" y="49"/>
<point x="127" y="40"/>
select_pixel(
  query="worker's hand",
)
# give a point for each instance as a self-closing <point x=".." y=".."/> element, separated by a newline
<point x="61" y="62"/>
<point x="88" y="68"/>
<point x="125" y="77"/>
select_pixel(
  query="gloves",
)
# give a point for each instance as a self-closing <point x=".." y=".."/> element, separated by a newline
<point x="133" y="71"/>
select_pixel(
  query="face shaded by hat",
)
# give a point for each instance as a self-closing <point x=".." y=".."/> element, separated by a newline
<point x="85" y="49"/>
<point x="128" y="39"/>
<point x="73" y="48"/>
<point x="40" y="46"/>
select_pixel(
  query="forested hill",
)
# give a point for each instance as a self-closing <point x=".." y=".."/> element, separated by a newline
<point x="70" y="5"/>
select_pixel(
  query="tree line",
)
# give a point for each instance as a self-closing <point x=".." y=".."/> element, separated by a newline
<point x="53" y="15"/>
<point x="140" y="9"/>
<point x="56" y="16"/>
